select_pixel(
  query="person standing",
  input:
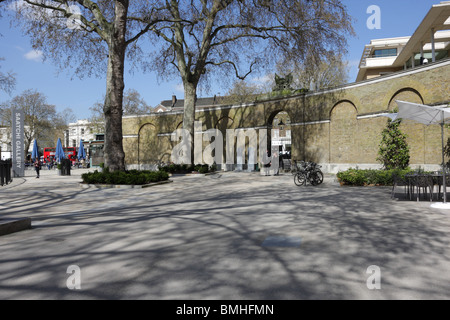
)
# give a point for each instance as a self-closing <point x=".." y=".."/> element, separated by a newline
<point x="37" y="167"/>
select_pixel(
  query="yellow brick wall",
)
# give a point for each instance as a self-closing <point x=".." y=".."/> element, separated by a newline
<point x="329" y="127"/>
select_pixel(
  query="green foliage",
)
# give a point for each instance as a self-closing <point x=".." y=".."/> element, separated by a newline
<point x="131" y="177"/>
<point x="359" y="177"/>
<point x="447" y="152"/>
<point x="185" y="168"/>
<point x="394" y="150"/>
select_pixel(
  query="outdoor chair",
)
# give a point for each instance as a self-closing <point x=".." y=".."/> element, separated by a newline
<point x="399" y="182"/>
<point x="437" y="181"/>
<point x="424" y="182"/>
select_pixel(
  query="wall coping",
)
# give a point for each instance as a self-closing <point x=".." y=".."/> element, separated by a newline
<point x="399" y="74"/>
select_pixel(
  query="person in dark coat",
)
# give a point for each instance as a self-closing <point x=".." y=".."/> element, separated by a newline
<point x="37" y="167"/>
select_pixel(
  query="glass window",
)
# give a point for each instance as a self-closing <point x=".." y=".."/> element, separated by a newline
<point x="379" y="53"/>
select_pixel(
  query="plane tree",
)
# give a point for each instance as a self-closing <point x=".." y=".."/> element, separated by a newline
<point x="206" y="39"/>
<point x="91" y="38"/>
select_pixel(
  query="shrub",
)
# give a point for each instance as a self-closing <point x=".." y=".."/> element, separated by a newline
<point x="187" y="168"/>
<point x="394" y="150"/>
<point x="358" y="177"/>
<point x="132" y="177"/>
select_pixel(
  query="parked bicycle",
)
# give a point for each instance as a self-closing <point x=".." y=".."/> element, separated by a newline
<point x="297" y="167"/>
<point x="308" y="172"/>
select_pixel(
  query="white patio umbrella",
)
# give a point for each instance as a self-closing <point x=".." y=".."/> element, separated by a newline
<point x="427" y="115"/>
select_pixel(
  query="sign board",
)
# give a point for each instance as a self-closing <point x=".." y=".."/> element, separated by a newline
<point x="18" y="146"/>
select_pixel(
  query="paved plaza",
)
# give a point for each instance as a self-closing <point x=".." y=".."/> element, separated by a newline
<point x="222" y="236"/>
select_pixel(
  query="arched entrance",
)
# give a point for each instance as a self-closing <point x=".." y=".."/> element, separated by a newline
<point x="280" y="139"/>
<point x="343" y="133"/>
<point x="147" y="142"/>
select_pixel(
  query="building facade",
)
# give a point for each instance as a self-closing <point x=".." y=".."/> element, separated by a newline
<point x="429" y="43"/>
<point x="338" y="128"/>
<point x="77" y="131"/>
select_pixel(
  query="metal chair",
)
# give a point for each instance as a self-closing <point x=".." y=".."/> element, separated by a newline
<point x="424" y="182"/>
<point x="399" y="182"/>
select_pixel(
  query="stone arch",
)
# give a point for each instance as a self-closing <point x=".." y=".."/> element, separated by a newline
<point x="286" y="149"/>
<point x="343" y="101"/>
<point x="415" y="132"/>
<point x="147" y="141"/>
<point x="224" y="123"/>
<point x="405" y="94"/>
<point x="343" y="132"/>
<point x="274" y="113"/>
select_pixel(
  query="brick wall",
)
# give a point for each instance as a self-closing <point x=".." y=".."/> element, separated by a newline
<point x="336" y="127"/>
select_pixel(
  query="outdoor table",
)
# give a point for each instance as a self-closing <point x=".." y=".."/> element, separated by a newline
<point x="411" y="180"/>
<point x="437" y="181"/>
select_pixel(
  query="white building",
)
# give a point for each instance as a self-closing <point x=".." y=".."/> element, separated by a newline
<point x="5" y="143"/>
<point x="80" y="130"/>
<point x="429" y="43"/>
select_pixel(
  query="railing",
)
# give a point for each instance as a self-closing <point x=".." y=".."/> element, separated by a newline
<point x="5" y="172"/>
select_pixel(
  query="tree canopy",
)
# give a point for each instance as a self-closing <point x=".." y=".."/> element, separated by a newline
<point x="90" y="38"/>
<point x="197" y="40"/>
<point x="42" y="121"/>
<point x="236" y="37"/>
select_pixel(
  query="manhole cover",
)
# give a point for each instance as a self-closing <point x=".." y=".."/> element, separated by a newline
<point x="281" y="241"/>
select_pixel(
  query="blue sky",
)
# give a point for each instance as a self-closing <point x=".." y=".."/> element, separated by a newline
<point x="398" y="18"/>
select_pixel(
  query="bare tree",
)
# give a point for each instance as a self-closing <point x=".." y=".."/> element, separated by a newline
<point x="235" y="37"/>
<point x="7" y="81"/>
<point x="242" y="92"/>
<point x="97" y="118"/>
<point x="133" y="103"/>
<point x="41" y="119"/>
<point x="90" y="37"/>
<point x="329" y="72"/>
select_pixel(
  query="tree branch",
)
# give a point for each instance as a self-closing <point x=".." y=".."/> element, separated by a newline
<point x="234" y="67"/>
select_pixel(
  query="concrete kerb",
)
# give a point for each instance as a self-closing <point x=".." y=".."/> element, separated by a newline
<point x="123" y="186"/>
<point x="8" y="226"/>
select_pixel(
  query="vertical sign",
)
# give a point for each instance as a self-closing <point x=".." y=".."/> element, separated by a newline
<point x="18" y="143"/>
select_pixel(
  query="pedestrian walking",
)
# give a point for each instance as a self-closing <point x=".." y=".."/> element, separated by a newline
<point x="37" y="167"/>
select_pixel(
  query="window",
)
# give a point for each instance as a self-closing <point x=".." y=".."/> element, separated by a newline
<point x="82" y="130"/>
<point x="380" y="53"/>
<point x="74" y="143"/>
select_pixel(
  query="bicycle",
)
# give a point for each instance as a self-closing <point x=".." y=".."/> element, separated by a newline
<point x="298" y="167"/>
<point x="310" y="172"/>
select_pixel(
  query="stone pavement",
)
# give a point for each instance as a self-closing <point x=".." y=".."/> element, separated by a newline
<point x="223" y="236"/>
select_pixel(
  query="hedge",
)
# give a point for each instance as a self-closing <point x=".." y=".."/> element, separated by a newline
<point x="131" y="177"/>
<point x="187" y="168"/>
<point x="359" y="177"/>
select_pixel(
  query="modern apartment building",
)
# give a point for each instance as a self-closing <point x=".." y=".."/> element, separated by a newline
<point x="429" y="43"/>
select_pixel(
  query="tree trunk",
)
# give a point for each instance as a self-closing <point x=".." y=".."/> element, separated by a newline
<point x="113" y="149"/>
<point x="190" y="93"/>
